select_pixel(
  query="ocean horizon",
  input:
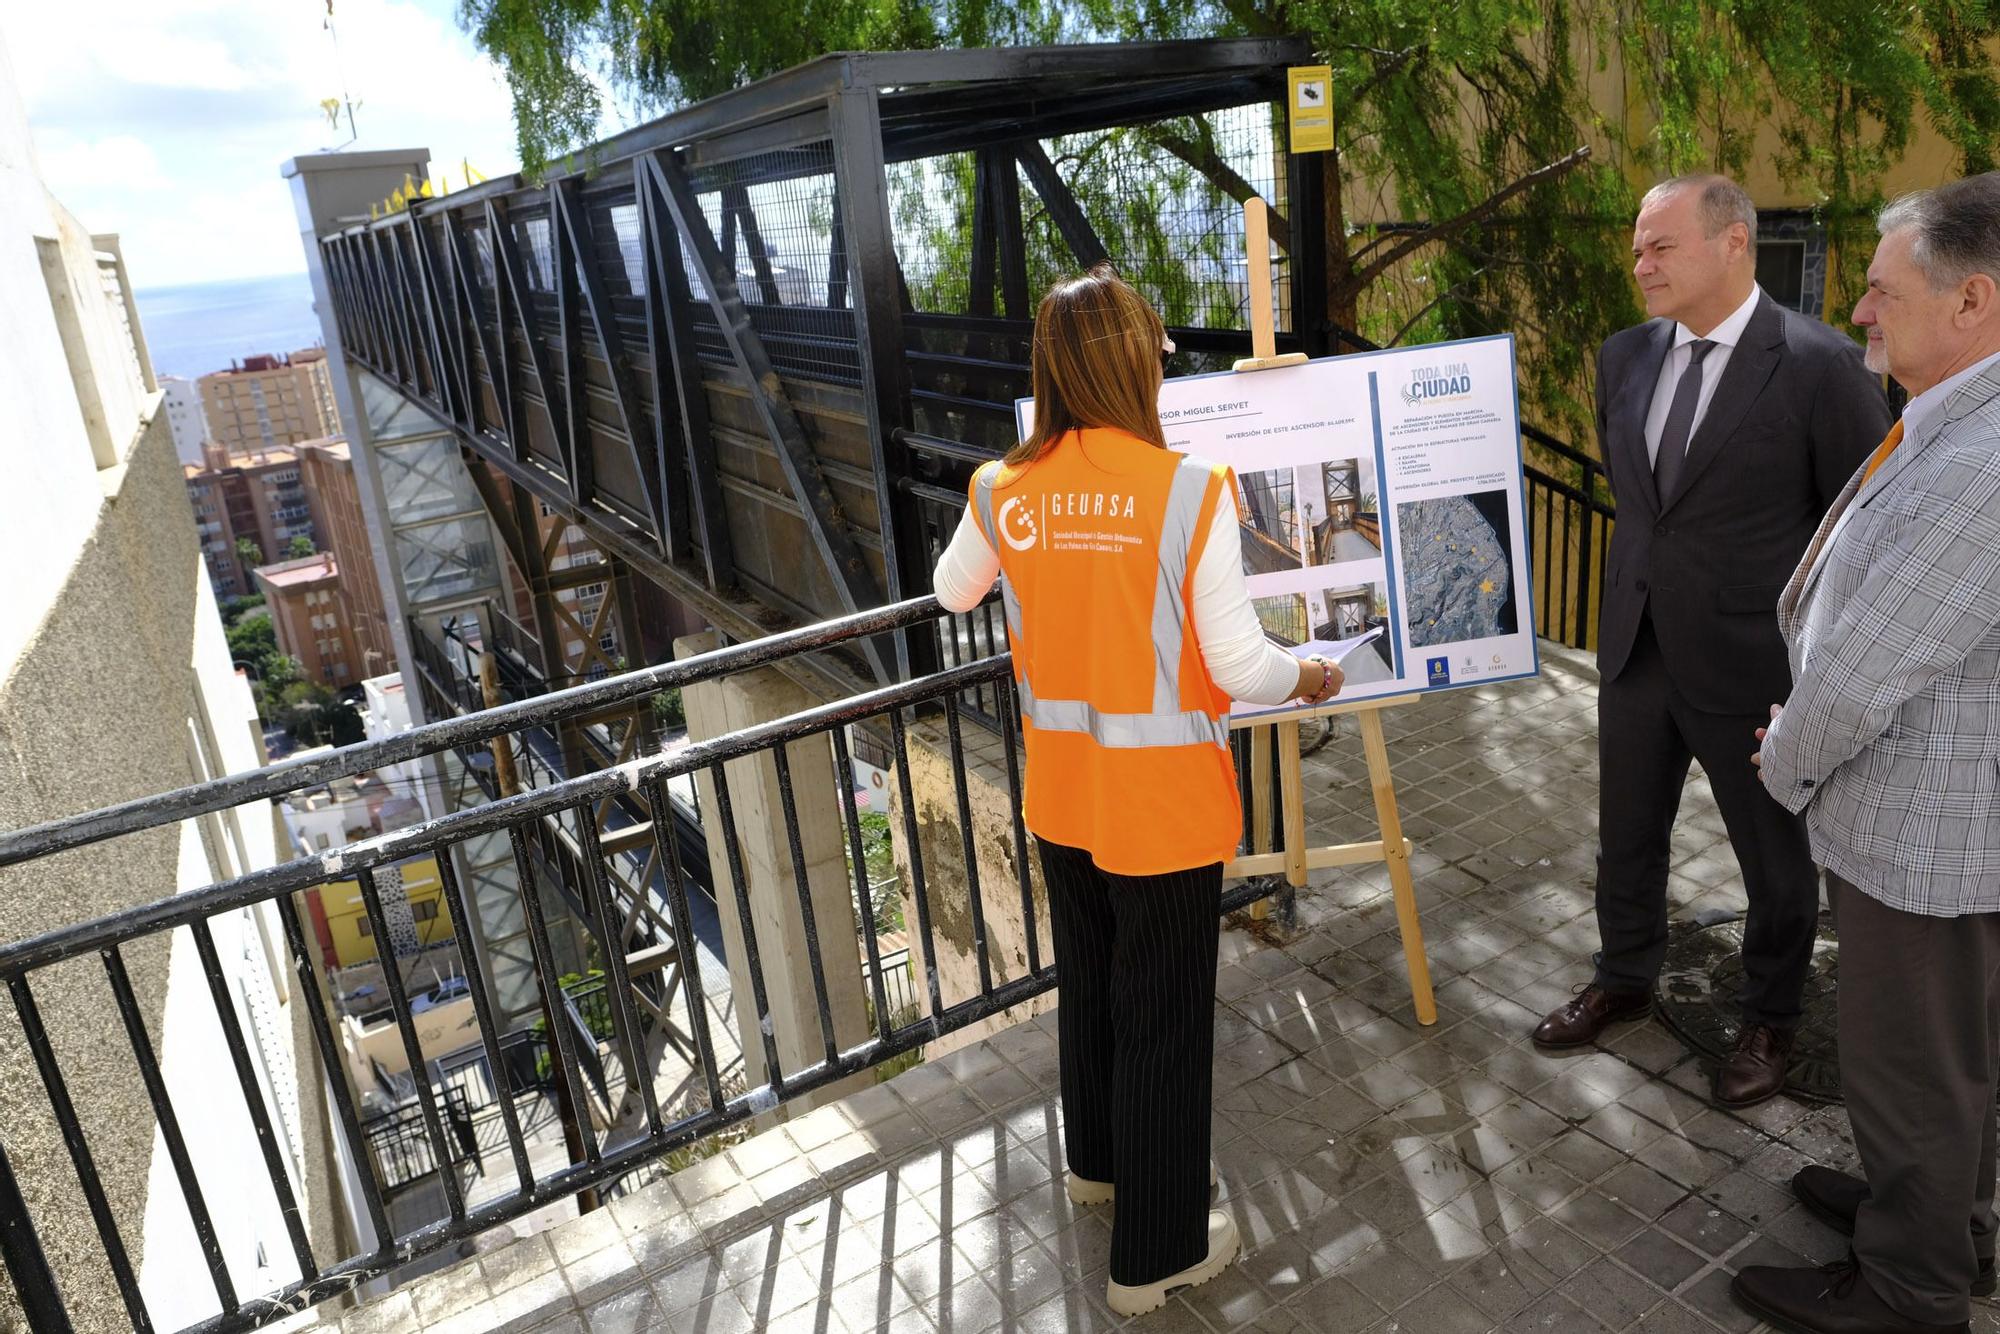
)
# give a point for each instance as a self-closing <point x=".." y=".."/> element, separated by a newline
<point x="196" y="328"/>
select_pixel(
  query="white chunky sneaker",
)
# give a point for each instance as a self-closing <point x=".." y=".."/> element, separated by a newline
<point x="1085" y="1192"/>
<point x="1222" y="1247"/>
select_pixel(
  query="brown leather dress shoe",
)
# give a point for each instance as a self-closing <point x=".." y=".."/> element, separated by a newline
<point x="1755" y="1071"/>
<point x="1833" y="1299"/>
<point x="1835" y="1197"/>
<point x="1583" y="1020"/>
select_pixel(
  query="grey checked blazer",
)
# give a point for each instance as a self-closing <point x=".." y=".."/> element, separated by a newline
<point x="1890" y="742"/>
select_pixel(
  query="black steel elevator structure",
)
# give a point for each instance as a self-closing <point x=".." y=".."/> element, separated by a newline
<point x="753" y="348"/>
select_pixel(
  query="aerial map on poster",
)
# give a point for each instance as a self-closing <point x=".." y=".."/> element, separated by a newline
<point x="1381" y="504"/>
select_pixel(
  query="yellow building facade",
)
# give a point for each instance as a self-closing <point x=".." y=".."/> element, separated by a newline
<point x="348" y="935"/>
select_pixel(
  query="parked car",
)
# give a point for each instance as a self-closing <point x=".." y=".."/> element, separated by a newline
<point x="448" y="990"/>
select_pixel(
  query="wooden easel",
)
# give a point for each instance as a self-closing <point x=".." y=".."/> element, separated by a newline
<point x="1295" y="859"/>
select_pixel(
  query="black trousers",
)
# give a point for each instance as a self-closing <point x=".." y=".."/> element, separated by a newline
<point x="1919" y="1061"/>
<point x="1646" y="734"/>
<point x="1135" y="956"/>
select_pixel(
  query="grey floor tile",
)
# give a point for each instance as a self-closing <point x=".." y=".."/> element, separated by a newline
<point x="1661" y="1258"/>
<point x="1610" y="1292"/>
<point x="1553" y="1313"/>
<point x="1709" y="1295"/>
<point x="1386" y="1275"/>
<point x="629" y="1312"/>
<point x="1706" y="1226"/>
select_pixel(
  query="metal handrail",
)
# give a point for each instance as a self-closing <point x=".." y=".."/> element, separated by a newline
<point x="310" y="771"/>
<point x="495" y="817"/>
<point x="570" y="1061"/>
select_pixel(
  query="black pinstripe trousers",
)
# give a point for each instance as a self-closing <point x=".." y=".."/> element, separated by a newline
<point x="1135" y="958"/>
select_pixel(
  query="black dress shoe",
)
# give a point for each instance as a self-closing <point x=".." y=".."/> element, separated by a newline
<point x="1835" y="1197"/>
<point x="1583" y="1020"/>
<point x="1833" y="1299"/>
<point x="1755" y="1071"/>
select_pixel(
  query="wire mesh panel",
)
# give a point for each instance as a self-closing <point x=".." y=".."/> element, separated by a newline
<point x="1163" y="199"/>
<point x="775" y="218"/>
<point x="1166" y="201"/>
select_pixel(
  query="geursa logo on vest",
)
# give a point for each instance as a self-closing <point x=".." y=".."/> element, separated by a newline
<point x="1009" y="509"/>
<point x="1429" y="384"/>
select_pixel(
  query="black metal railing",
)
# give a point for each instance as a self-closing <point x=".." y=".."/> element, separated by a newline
<point x="1570" y="515"/>
<point x="943" y="1005"/>
<point x="965" y="636"/>
<point x="404" y="1154"/>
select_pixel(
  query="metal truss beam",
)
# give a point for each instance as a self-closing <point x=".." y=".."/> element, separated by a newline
<point x="576" y="228"/>
<point x="1067" y="214"/>
<point x="853" y="584"/>
<point x="507" y="258"/>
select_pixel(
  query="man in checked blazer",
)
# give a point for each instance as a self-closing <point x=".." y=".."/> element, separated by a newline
<point x="1890" y="743"/>
<point x="1727" y="425"/>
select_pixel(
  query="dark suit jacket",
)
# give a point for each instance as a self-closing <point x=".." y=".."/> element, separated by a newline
<point x="1794" y="415"/>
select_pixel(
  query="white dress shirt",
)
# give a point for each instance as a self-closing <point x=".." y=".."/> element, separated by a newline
<point x="1928" y="402"/>
<point x="1725" y="336"/>
<point x="1239" y="656"/>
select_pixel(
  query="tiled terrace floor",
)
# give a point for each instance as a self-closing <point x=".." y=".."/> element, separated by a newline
<point x="1385" y="1177"/>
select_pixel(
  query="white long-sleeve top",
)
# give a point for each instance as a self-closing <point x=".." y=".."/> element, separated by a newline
<point x="1240" y="659"/>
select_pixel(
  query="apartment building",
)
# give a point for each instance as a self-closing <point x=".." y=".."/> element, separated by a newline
<point x="115" y="680"/>
<point x="184" y="416"/>
<point x="309" y="616"/>
<point x="259" y="495"/>
<point x="327" y="468"/>
<point x="266" y="401"/>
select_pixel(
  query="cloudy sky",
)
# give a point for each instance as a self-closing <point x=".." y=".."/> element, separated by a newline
<point x="166" y="120"/>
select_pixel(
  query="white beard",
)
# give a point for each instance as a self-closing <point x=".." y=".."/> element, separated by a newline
<point x="1876" y="358"/>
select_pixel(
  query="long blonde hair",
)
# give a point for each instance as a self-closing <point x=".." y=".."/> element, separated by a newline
<point x="1095" y="362"/>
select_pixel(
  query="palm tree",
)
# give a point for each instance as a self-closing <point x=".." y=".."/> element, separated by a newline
<point x="249" y="555"/>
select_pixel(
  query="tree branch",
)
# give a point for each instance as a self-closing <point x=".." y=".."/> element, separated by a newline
<point x="1388" y="69"/>
<point x="1456" y="289"/>
<point x="1205" y="158"/>
<point x="1477" y="213"/>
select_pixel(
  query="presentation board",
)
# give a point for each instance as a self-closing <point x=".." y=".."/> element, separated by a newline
<point x="1382" y="511"/>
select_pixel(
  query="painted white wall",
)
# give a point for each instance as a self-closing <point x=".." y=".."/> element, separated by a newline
<point x="44" y="452"/>
<point x="386" y="713"/>
<point x="62" y="487"/>
<point x="201" y="1080"/>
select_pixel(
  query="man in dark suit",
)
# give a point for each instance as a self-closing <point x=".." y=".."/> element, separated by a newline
<point x="1727" y="426"/>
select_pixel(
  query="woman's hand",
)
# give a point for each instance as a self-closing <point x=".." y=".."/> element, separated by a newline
<point x="1319" y="680"/>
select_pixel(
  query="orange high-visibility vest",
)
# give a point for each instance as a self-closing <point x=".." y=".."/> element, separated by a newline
<point x="1127" y="736"/>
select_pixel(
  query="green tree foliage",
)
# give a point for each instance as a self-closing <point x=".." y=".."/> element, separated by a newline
<point x="253" y="644"/>
<point x="234" y="609"/>
<point x="249" y="555"/>
<point x="1463" y="122"/>
<point x="668" y="710"/>
<point x="299" y="547"/>
<point x="313" y="714"/>
<point x="253" y="640"/>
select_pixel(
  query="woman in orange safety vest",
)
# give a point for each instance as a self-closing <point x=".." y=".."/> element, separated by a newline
<point x="1122" y="576"/>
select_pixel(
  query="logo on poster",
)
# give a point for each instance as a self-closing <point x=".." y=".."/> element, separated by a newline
<point x="1440" y="671"/>
<point x="1436" y="384"/>
<point x="1008" y="510"/>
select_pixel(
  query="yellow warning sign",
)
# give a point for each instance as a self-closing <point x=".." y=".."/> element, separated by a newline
<point x="1312" y="107"/>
